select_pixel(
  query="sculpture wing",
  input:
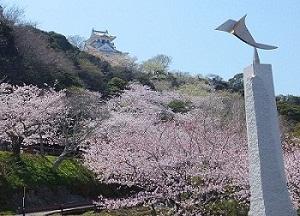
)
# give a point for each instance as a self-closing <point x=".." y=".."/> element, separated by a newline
<point x="265" y="46"/>
<point x="241" y="31"/>
<point x="227" y="26"/>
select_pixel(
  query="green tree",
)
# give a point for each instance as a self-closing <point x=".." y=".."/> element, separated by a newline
<point x="237" y="83"/>
<point x="116" y="85"/>
<point x="217" y="82"/>
<point x="291" y="111"/>
<point x="179" y="106"/>
<point x="157" y="65"/>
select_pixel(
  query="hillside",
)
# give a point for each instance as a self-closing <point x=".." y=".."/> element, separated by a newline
<point x="44" y="187"/>
<point x="31" y="56"/>
<point x="135" y="138"/>
<point x="71" y="183"/>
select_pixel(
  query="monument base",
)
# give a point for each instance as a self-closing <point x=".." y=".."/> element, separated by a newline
<point x="268" y="185"/>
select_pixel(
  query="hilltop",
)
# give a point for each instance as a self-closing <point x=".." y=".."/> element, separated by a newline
<point x="47" y="59"/>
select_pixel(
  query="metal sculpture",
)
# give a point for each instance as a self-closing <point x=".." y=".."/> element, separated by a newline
<point x="240" y="30"/>
<point x="268" y="188"/>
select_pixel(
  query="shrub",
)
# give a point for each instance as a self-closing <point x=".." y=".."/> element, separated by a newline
<point x="179" y="106"/>
<point x="116" y="85"/>
<point x="165" y="116"/>
<point x="228" y="207"/>
<point x="291" y="111"/>
<point x="236" y="84"/>
<point x="60" y="42"/>
<point x="162" y="85"/>
<point x="144" y="79"/>
<point x="296" y="131"/>
<point x="9" y="57"/>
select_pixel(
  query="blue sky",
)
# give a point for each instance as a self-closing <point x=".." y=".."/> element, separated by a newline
<point x="184" y="30"/>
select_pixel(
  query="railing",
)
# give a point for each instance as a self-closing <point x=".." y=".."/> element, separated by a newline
<point x="61" y="208"/>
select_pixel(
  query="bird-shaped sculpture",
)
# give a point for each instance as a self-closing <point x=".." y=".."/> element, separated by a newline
<point x="239" y="29"/>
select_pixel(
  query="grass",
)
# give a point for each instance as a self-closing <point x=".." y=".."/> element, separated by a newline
<point x="35" y="171"/>
<point x="198" y="89"/>
<point x="5" y="213"/>
<point x="228" y="207"/>
<point x="138" y="211"/>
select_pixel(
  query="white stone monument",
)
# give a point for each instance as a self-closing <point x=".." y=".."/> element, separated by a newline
<point x="268" y="185"/>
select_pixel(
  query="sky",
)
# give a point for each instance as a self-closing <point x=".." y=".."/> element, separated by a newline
<point x="184" y="30"/>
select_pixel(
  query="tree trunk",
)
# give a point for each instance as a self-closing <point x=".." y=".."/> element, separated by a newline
<point x="16" y="142"/>
<point x="59" y="160"/>
<point x="153" y="211"/>
<point x="42" y="150"/>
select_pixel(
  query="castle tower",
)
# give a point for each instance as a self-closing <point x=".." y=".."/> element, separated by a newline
<point x="102" y="41"/>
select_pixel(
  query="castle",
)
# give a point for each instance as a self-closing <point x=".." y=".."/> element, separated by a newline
<point x="101" y="41"/>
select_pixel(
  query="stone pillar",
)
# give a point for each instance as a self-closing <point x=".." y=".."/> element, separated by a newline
<point x="268" y="185"/>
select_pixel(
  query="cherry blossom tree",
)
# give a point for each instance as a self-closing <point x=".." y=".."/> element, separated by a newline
<point x="292" y="157"/>
<point x="83" y="113"/>
<point x="26" y="111"/>
<point x="77" y="41"/>
<point x="30" y="115"/>
<point x="183" y="162"/>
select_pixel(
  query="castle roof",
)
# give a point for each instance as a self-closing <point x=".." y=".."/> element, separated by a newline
<point x="101" y="41"/>
<point x="103" y="34"/>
